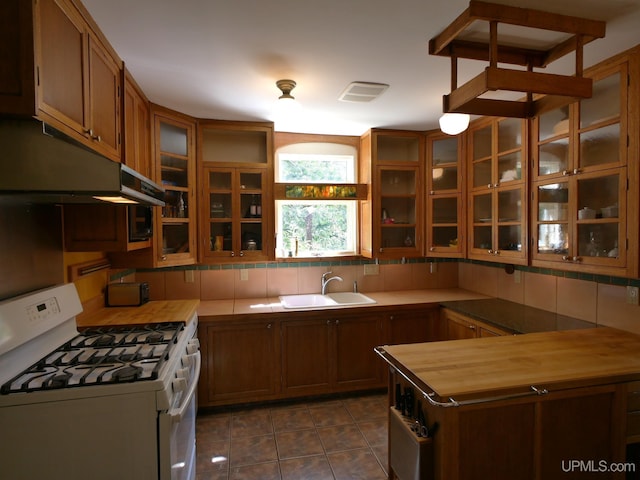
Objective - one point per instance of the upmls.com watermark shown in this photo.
(600, 466)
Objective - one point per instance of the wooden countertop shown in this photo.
(158, 311)
(243, 306)
(485, 367)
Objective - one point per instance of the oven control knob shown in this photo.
(187, 361)
(192, 348)
(179, 385)
(182, 373)
(194, 341)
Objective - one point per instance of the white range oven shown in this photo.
(103, 403)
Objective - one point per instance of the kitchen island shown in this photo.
(536, 406)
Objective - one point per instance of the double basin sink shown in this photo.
(330, 300)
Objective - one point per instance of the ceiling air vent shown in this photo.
(362, 92)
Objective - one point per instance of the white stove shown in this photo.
(118, 402)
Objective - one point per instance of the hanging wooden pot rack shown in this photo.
(466, 98)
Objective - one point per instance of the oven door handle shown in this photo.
(177, 413)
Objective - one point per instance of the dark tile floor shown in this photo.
(341, 439)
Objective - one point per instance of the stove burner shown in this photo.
(105, 340)
(58, 381)
(127, 374)
(155, 337)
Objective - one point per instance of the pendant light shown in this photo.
(454, 123)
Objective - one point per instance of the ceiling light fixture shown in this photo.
(454, 123)
(285, 87)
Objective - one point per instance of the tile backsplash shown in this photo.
(598, 300)
(271, 280)
(591, 300)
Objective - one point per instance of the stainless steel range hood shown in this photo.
(45, 166)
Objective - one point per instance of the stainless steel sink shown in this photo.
(330, 300)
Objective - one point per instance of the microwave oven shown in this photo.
(140, 220)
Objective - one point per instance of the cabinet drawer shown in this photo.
(633, 396)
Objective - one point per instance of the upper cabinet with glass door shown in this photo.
(235, 169)
(175, 167)
(580, 175)
(445, 224)
(392, 219)
(497, 198)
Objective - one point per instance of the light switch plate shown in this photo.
(189, 276)
(632, 295)
(244, 274)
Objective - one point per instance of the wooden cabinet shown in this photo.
(445, 196)
(174, 166)
(106, 228)
(276, 356)
(69, 75)
(236, 194)
(414, 325)
(497, 191)
(460, 326)
(584, 189)
(392, 218)
(137, 128)
(240, 361)
(329, 353)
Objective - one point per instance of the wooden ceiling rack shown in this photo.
(465, 99)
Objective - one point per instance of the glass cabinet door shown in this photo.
(599, 124)
(235, 212)
(497, 189)
(444, 199)
(176, 164)
(398, 215)
(482, 159)
(483, 221)
(552, 219)
(598, 221)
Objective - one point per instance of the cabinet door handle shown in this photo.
(566, 173)
(233, 254)
(268, 326)
(490, 252)
(337, 322)
(328, 322)
(496, 252)
(241, 253)
(496, 185)
(577, 171)
(472, 327)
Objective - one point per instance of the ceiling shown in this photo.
(221, 59)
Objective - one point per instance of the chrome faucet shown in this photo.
(326, 280)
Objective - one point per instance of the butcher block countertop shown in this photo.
(482, 368)
(155, 311)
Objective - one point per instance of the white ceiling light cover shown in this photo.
(362, 92)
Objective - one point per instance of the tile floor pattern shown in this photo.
(330, 439)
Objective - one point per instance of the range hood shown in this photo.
(43, 165)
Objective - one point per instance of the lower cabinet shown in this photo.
(331, 353)
(240, 362)
(415, 326)
(253, 358)
(460, 327)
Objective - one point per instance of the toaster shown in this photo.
(129, 294)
